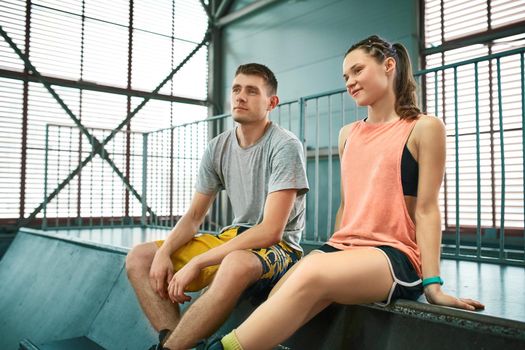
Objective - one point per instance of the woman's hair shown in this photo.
(404, 85)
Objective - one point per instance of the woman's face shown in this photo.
(367, 80)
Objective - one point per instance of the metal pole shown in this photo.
(456, 138)
(522, 74)
(316, 202)
(478, 164)
(502, 152)
(330, 182)
(144, 179)
(46, 169)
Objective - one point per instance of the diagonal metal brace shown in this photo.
(97, 146)
(113, 133)
(207, 10)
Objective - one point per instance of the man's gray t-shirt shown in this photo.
(275, 162)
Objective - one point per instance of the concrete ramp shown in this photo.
(53, 288)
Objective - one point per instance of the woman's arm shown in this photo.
(343, 135)
(431, 145)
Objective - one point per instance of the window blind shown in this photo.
(89, 40)
(461, 20)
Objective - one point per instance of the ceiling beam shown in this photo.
(86, 85)
(246, 11)
(223, 7)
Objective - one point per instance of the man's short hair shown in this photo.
(261, 71)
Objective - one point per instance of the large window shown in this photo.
(455, 31)
(102, 58)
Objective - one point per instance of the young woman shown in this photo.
(387, 236)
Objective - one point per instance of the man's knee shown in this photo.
(239, 268)
(140, 257)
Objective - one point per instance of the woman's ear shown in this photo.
(390, 65)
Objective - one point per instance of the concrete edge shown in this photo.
(26, 344)
(420, 310)
(456, 317)
(77, 241)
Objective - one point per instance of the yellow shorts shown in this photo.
(275, 260)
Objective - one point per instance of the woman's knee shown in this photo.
(291, 271)
(307, 276)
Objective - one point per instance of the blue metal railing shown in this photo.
(168, 160)
(489, 239)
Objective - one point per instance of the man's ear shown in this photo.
(274, 101)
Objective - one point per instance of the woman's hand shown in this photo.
(436, 296)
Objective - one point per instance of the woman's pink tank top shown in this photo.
(375, 212)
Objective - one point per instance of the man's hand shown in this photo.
(181, 280)
(435, 295)
(160, 273)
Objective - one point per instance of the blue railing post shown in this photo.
(522, 74)
(143, 219)
(46, 164)
(456, 138)
(478, 165)
(502, 152)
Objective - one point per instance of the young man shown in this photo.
(261, 166)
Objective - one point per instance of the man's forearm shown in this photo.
(183, 231)
(259, 236)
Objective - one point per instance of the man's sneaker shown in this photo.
(162, 336)
(214, 344)
(201, 345)
(157, 347)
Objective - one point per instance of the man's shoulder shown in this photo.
(221, 139)
(281, 136)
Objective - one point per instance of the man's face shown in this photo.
(250, 99)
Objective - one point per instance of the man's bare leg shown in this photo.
(162, 313)
(238, 270)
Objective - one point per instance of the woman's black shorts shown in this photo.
(407, 284)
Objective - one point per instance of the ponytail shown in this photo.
(405, 85)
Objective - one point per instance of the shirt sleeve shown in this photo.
(288, 170)
(208, 180)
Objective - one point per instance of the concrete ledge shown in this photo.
(58, 290)
(80, 343)
(405, 325)
(468, 320)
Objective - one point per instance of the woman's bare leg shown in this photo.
(348, 277)
(289, 273)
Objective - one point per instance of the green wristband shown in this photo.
(432, 280)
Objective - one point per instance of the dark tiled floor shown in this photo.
(500, 288)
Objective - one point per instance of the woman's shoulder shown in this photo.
(428, 124)
(347, 128)
(428, 120)
(343, 135)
